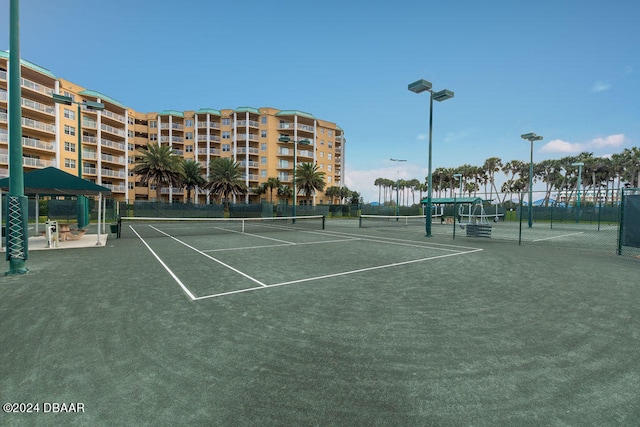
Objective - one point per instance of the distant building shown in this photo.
(111, 138)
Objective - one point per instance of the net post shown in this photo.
(360, 221)
(324, 218)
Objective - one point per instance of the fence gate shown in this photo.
(630, 219)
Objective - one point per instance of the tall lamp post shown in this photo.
(531, 137)
(420, 86)
(89, 105)
(287, 139)
(580, 165)
(398, 185)
(459, 177)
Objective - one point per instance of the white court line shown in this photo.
(327, 276)
(210, 257)
(184, 288)
(558, 237)
(255, 235)
(279, 246)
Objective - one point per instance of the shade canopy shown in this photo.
(55, 182)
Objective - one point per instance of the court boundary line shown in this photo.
(387, 240)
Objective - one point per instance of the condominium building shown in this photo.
(109, 140)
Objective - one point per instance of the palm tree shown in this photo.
(159, 166)
(225, 179)
(284, 192)
(272, 184)
(333, 192)
(309, 179)
(491, 166)
(192, 177)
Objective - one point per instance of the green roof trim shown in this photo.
(295, 113)
(209, 111)
(339, 128)
(247, 109)
(171, 113)
(5, 54)
(103, 97)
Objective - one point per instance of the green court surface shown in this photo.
(342, 326)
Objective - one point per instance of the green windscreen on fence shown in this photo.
(630, 225)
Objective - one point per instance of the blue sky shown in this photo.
(566, 70)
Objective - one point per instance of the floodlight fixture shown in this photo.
(443, 95)
(420, 86)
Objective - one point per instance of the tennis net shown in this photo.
(391, 220)
(165, 227)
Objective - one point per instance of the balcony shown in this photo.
(244, 123)
(36, 106)
(34, 124)
(176, 139)
(3, 75)
(250, 163)
(116, 188)
(36, 163)
(203, 151)
(89, 155)
(112, 144)
(203, 138)
(36, 143)
(243, 137)
(89, 124)
(117, 117)
(36, 87)
(252, 176)
(243, 150)
(120, 160)
(89, 170)
(89, 139)
(113, 174)
(175, 126)
(113, 130)
(214, 125)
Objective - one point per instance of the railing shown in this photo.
(285, 126)
(38, 163)
(113, 130)
(251, 163)
(211, 125)
(243, 150)
(243, 137)
(176, 126)
(36, 143)
(91, 124)
(36, 86)
(306, 128)
(89, 139)
(112, 173)
(176, 139)
(165, 190)
(252, 176)
(114, 116)
(38, 125)
(116, 188)
(211, 138)
(113, 159)
(89, 170)
(3, 95)
(211, 151)
(89, 155)
(3, 117)
(252, 123)
(3, 75)
(37, 106)
(112, 144)
(305, 153)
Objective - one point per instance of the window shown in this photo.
(263, 173)
(322, 131)
(153, 124)
(188, 135)
(226, 134)
(328, 179)
(69, 130)
(70, 95)
(226, 147)
(263, 160)
(330, 144)
(329, 156)
(69, 114)
(130, 185)
(329, 168)
(263, 120)
(70, 147)
(322, 154)
(188, 123)
(263, 147)
(263, 133)
(69, 163)
(321, 165)
(188, 148)
(226, 121)
(322, 142)
(130, 133)
(330, 132)
(131, 147)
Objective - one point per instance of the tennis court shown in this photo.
(353, 326)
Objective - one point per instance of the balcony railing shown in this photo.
(89, 139)
(243, 137)
(243, 150)
(89, 124)
(251, 123)
(211, 125)
(36, 163)
(112, 144)
(112, 173)
(113, 130)
(3, 75)
(113, 159)
(36, 106)
(89, 155)
(116, 188)
(203, 151)
(38, 125)
(176, 139)
(251, 164)
(89, 170)
(202, 138)
(305, 128)
(36, 87)
(36, 143)
(176, 126)
(113, 116)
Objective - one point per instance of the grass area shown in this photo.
(509, 335)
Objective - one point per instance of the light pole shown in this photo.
(531, 137)
(580, 165)
(17, 202)
(459, 176)
(398, 184)
(89, 105)
(419, 87)
(286, 139)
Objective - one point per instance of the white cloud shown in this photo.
(600, 86)
(560, 146)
